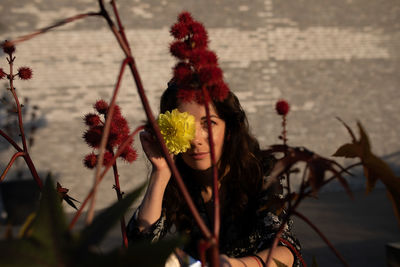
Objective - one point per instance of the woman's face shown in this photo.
(198, 157)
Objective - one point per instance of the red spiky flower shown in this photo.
(92, 119)
(90, 160)
(8, 47)
(25, 73)
(282, 107)
(101, 106)
(119, 133)
(2, 74)
(197, 66)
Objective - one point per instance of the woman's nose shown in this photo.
(200, 136)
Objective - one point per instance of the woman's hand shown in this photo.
(153, 153)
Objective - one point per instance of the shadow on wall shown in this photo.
(19, 193)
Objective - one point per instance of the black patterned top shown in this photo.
(235, 240)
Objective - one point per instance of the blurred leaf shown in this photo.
(374, 167)
(279, 264)
(348, 151)
(364, 140)
(106, 220)
(44, 244)
(22, 253)
(26, 228)
(317, 166)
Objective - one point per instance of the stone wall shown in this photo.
(327, 58)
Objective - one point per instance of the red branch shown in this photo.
(119, 197)
(104, 138)
(125, 47)
(215, 195)
(9, 139)
(12, 160)
(45, 29)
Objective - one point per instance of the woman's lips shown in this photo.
(198, 156)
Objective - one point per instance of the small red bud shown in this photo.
(90, 161)
(25, 73)
(282, 107)
(101, 106)
(8, 47)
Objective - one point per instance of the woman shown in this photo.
(247, 227)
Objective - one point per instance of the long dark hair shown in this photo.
(240, 169)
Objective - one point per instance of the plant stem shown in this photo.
(104, 138)
(9, 139)
(46, 29)
(217, 219)
(119, 197)
(12, 160)
(125, 47)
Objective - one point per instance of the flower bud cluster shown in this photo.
(119, 132)
(24, 73)
(197, 66)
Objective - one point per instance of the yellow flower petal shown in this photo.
(177, 129)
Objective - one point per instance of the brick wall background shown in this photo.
(327, 58)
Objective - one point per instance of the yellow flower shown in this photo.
(178, 129)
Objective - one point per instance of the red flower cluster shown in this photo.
(282, 107)
(197, 67)
(25, 73)
(119, 132)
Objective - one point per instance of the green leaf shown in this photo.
(106, 220)
(279, 264)
(348, 151)
(49, 228)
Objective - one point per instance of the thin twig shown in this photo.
(104, 138)
(119, 196)
(12, 160)
(9, 139)
(46, 29)
(215, 195)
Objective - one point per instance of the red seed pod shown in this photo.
(129, 154)
(182, 73)
(210, 74)
(8, 47)
(25, 73)
(90, 160)
(93, 136)
(179, 30)
(92, 119)
(282, 107)
(185, 17)
(108, 156)
(101, 106)
(179, 49)
(219, 91)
